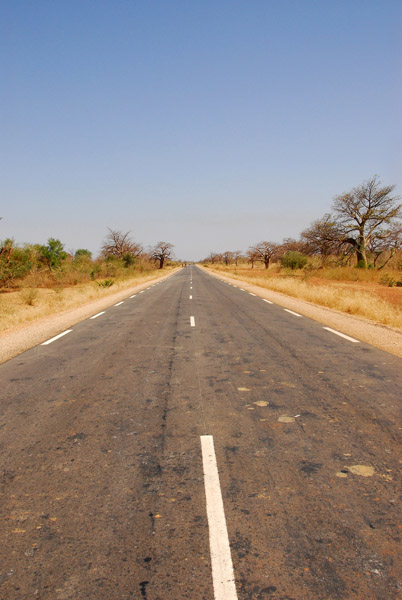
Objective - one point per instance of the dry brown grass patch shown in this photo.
(363, 297)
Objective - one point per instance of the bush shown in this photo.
(387, 280)
(105, 284)
(294, 260)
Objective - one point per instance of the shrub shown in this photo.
(387, 280)
(294, 260)
(29, 296)
(105, 284)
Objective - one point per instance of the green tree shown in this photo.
(82, 253)
(53, 253)
(294, 260)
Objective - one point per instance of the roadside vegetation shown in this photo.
(40, 280)
(349, 260)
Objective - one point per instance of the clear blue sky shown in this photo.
(211, 124)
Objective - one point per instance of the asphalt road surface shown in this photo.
(112, 437)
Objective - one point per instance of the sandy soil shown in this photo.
(17, 340)
(380, 336)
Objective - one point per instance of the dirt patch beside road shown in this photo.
(380, 336)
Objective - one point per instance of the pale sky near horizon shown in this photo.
(212, 125)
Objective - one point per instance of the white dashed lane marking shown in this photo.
(118, 304)
(98, 315)
(56, 337)
(347, 337)
(192, 321)
(133, 296)
(221, 559)
(251, 294)
(292, 313)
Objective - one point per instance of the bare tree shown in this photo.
(120, 244)
(265, 251)
(161, 252)
(227, 258)
(386, 243)
(213, 258)
(323, 237)
(362, 212)
(237, 254)
(252, 256)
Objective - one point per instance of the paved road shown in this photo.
(103, 433)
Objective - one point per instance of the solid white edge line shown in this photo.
(269, 301)
(192, 321)
(98, 315)
(343, 335)
(118, 304)
(56, 337)
(221, 560)
(292, 313)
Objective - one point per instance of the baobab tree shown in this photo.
(119, 244)
(323, 237)
(252, 256)
(364, 212)
(161, 252)
(265, 251)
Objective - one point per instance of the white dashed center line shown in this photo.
(269, 301)
(118, 304)
(192, 321)
(292, 313)
(98, 315)
(56, 337)
(221, 560)
(347, 337)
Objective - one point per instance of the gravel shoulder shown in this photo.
(379, 336)
(17, 340)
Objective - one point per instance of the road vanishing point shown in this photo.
(197, 442)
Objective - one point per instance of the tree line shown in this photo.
(363, 227)
(119, 253)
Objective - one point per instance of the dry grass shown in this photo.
(29, 304)
(329, 290)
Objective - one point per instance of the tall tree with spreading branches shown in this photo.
(366, 212)
(162, 251)
(119, 245)
(322, 238)
(265, 251)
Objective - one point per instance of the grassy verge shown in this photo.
(344, 292)
(28, 304)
